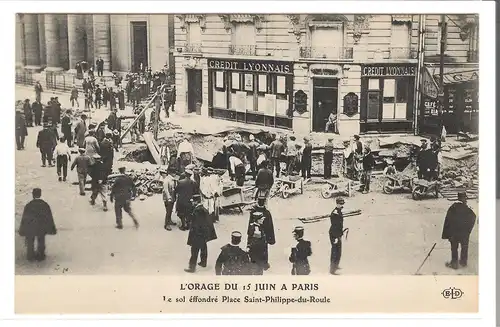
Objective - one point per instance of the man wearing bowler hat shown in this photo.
(46, 142)
(121, 194)
(232, 259)
(300, 253)
(336, 231)
(184, 191)
(458, 225)
(201, 231)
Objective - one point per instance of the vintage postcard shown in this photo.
(248, 162)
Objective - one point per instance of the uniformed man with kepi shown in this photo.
(232, 259)
(267, 225)
(336, 231)
(300, 253)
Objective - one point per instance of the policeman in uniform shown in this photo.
(232, 259)
(336, 231)
(300, 252)
(267, 225)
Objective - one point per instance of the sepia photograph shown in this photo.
(280, 149)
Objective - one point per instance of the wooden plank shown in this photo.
(153, 147)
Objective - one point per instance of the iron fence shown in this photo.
(24, 77)
(59, 81)
(248, 50)
(326, 52)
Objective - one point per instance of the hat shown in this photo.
(163, 171)
(356, 137)
(262, 147)
(340, 201)
(292, 138)
(196, 196)
(462, 195)
(96, 156)
(423, 140)
(46, 125)
(108, 134)
(330, 139)
(190, 167)
(298, 229)
(257, 214)
(188, 172)
(261, 196)
(389, 161)
(82, 150)
(236, 234)
(115, 132)
(306, 138)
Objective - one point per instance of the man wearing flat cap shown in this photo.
(232, 259)
(458, 225)
(266, 227)
(121, 194)
(306, 159)
(98, 174)
(201, 231)
(300, 253)
(336, 231)
(82, 164)
(106, 150)
(184, 192)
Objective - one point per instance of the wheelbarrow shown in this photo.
(291, 185)
(397, 182)
(422, 188)
(342, 187)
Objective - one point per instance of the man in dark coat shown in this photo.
(306, 159)
(425, 160)
(21, 130)
(105, 96)
(46, 142)
(97, 173)
(38, 91)
(37, 111)
(336, 231)
(82, 164)
(300, 253)
(201, 232)
(98, 97)
(257, 244)
(264, 181)
(28, 113)
(184, 192)
(112, 120)
(112, 99)
(37, 221)
(121, 98)
(252, 156)
(99, 65)
(107, 153)
(121, 194)
(368, 165)
(66, 125)
(48, 111)
(232, 259)
(267, 227)
(328, 159)
(458, 225)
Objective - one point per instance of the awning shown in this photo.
(455, 75)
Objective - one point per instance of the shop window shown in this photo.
(400, 40)
(219, 98)
(373, 84)
(395, 100)
(243, 39)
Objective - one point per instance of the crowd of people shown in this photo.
(97, 144)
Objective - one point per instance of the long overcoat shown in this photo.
(37, 219)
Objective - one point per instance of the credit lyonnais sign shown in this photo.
(261, 66)
(388, 71)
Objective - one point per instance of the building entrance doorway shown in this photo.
(325, 97)
(139, 45)
(194, 94)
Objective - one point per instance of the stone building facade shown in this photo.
(292, 71)
(57, 42)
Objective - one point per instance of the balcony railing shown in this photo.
(402, 53)
(246, 50)
(192, 48)
(326, 52)
(472, 56)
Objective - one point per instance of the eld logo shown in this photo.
(452, 293)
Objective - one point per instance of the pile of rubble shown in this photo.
(462, 175)
(163, 126)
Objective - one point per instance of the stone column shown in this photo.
(76, 36)
(20, 55)
(41, 40)
(52, 42)
(102, 40)
(32, 41)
